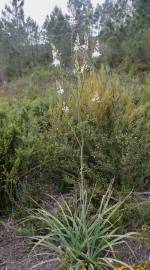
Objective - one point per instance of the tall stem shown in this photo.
(81, 159)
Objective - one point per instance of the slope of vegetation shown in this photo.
(40, 136)
(75, 117)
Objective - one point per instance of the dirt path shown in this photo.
(15, 254)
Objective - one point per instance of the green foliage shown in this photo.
(78, 238)
(82, 13)
(58, 32)
(135, 214)
(39, 138)
(120, 27)
(13, 36)
(124, 34)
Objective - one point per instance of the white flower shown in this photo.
(77, 43)
(74, 71)
(95, 54)
(60, 91)
(65, 109)
(85, 47)
(96, 98)
(56, 62)
(85, 67)
(82, 69)
(76, 48)
(54, 51)
(95, 32)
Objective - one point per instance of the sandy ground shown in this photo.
(16, 255)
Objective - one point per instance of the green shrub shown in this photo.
(135, 214)
(39, 140)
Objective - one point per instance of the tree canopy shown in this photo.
(121, 27)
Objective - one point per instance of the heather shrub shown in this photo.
(40, 137)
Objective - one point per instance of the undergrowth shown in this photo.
(38, 143)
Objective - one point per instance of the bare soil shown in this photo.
(16, 255)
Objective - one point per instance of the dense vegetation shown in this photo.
(44, 115)
(75, 116)
(41, 135)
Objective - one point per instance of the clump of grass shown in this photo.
(79, 238)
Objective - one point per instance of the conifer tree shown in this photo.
(82, 12)
(58, 33)
(13, 23)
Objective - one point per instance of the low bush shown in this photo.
(136, 214)
(40, 137)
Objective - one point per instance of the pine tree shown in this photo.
(33, 40)
(111, 21)
(13, 23)
(58, 33)
(137, 46)
(82, 12)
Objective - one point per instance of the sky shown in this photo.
(38, 9)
